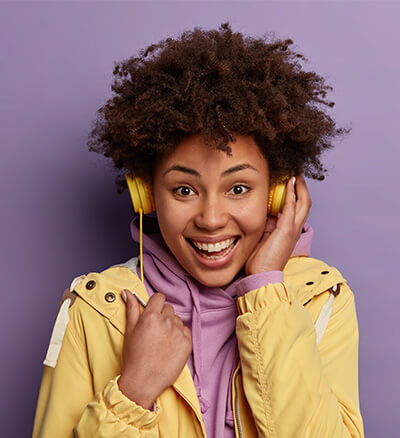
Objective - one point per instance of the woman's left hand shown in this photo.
(281, 234)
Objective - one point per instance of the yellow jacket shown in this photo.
(297, 376)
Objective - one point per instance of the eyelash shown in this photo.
(175, 190)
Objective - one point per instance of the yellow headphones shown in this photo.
(143, 202)
(142, 197)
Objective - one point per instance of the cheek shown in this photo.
(252, 219)
(171, 222)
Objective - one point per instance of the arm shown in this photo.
(67, 405)
(295, 387)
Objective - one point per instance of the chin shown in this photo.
(222, 281)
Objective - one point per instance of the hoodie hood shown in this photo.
(210, 313)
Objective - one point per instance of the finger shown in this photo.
(302, 192)
(155, 303)
(132, 310)
(178, 321)
(168, 311)
(286, 219)
(304, 202)
(187, 333)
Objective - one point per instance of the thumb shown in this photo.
(132, 309)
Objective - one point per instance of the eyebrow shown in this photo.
(229, 171)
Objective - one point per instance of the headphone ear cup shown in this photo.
(145, 196)
(149, 190)
(270, 199)
(141, 194)
(276, 199)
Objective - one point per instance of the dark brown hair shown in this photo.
(216, 83)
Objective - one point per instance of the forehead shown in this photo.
(193, 152)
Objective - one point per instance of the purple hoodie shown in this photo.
(210, 313)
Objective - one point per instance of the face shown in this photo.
(203, 196)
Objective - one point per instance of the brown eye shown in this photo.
(185, 190)
(238, 189)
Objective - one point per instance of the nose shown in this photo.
(212, 214)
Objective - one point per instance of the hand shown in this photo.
(156, 348)
(281, 234)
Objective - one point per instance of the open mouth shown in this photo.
(214, 255)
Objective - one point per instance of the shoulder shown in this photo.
(308, 277)
(99, 287)
(87, 306)
(92, 280)
(98, 294)
(323, 290)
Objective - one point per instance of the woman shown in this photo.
(247, 334)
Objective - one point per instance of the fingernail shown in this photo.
(123, 294)
(294, 180)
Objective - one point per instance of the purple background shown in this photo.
(61, 215)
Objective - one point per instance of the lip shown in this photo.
(216, 239)
(215, 263)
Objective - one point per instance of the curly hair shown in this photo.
(216, 83)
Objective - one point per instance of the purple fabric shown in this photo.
(210, 313)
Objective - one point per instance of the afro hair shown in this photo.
(216, 83)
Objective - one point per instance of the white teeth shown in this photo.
(220, 255)
(214, 247)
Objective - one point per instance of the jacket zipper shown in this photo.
(237, 409)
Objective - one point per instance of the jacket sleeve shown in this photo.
(68, 407)
(296, 388)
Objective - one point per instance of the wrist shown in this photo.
(133, 391)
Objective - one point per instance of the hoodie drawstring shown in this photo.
(196, 339)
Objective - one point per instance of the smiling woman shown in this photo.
(218, 199)
(232, 334)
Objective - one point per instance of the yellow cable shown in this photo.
(141, 245)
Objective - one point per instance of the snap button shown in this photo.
(309, 283)
(90, 284)
(335, 290)
(324, 272)
(109, 297)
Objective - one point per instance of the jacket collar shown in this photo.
(306, 276)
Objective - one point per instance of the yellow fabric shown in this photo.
(287, 385)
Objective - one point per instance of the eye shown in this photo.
(185, 190)
(240, 192)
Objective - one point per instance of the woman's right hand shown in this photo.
(156, 348)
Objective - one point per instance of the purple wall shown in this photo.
(61, 215)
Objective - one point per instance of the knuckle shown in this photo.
(285, 229)
(169, 308)
(187, 332)
(157, 296)
(168, 323)
(151, 318)
(178, 319)
(160, 295)
(188, 346)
